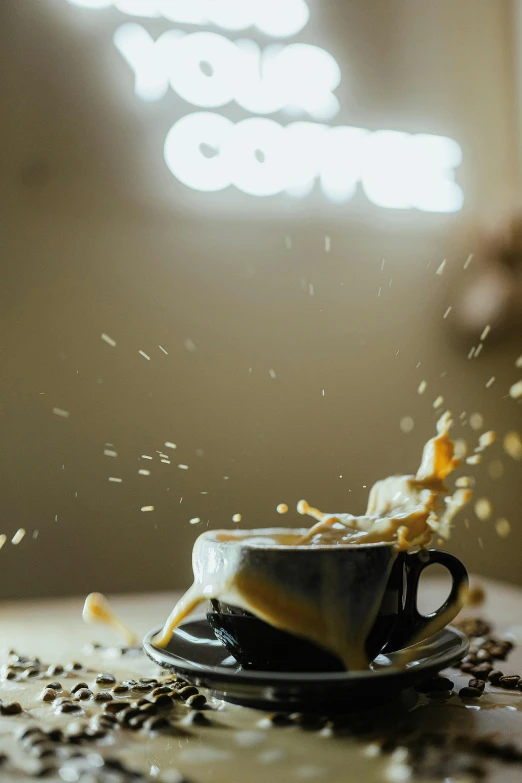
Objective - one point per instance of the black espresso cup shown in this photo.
(365, 581)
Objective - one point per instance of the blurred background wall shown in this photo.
(285, 374)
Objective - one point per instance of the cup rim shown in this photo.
(211, 535)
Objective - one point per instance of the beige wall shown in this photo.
(97, 237)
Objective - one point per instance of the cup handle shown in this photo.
(412, 626)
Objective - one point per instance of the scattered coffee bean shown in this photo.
(4, 758)
(470, 693)
(48, 694)
(9, 673)
(137, 721)
(55, 735)
(30, 731)
(163, 701)
(140, 702)
(83, 694)
(474, 683)
(148, 681)
(115, 706)
(509, 681)
(43, 770)
(495, 676)
(34, 740)
(95, 733)
(62, 700)
(56, 686)
(102, 696)
(156, 724)
(467, 667)
(105, 679)
(188, 690)
(124, 716)
(117, 689)
(42, 751)
(149, 709)
(79, 686)
(196, 702)
(11, 708)
(74, 666)
(482, 670)
(52, 671)
(69, 706)
(196, 718)
(143, 687)
(161, 689)
(75, 731)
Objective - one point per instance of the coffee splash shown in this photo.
(405, 511)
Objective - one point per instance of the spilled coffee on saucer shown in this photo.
(245, 568)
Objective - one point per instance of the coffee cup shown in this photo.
(363, 594)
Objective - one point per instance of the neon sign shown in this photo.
(208, 152)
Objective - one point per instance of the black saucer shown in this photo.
(196, 655)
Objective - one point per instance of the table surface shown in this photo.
(241, 745)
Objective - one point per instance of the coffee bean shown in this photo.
(52, 671)
(125, 715)
(79, 686)
(11, 708)
(43, 770)
(470, 693)
(104, 722)
(174, 695)
(115, 706)
(117, 689)
(31, 672)
(161, 689)
(105, 679)
(156, 724)
(30, 731)
(4, 758)
(74, 666)
(137, 721)
(34, 740)
(102, 696)
(482, 670)
(307, 720)
(75, 731)
(69, 706)
(83, 694)
(62, 700)
(149, 709)
(48, 694)
(196, 702)
(55, 735)
(467, 667)
(148, 681)
(196, 718)
(474, 683)
(509, 681)
(494, 676)
(130, 683)
(56, 686)
(499, 653)
(95, 733)
(140, 702)
(42, 751)
(143, 687)
(163, 701)
(8, 673)
(188, 690)
(484, 655)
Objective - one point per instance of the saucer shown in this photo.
(196, 655)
